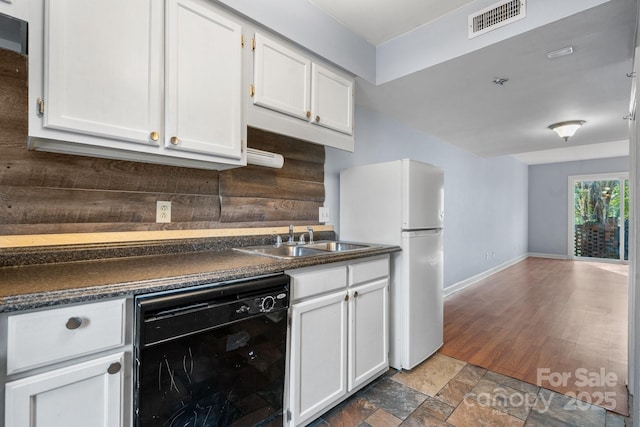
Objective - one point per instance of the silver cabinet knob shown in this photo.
(74, 323)
(114, 368)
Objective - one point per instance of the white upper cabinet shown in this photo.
(140, 80)
(203, 80)
(282, 78)
(168, 82)
(99, 85)
(331, 99)
(289, 82)
(315, 100)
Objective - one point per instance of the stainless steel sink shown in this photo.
(287, 251)
(282, 251)
(337, 246)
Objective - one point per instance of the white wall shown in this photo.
(548, 200)
(485, 198)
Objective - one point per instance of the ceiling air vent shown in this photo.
(496, 16)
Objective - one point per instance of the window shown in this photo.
(599, 216)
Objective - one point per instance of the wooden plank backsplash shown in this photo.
(42, 193)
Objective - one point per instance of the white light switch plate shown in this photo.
(163, 211)
(323, 214)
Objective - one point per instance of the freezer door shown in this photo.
(420, 299)
(423, 195)
(370, 203)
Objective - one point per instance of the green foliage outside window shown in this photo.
(598, 202)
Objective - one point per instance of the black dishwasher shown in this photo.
(214, 356)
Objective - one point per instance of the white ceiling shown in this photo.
(378, 21)
(457, 102)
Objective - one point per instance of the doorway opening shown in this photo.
(599, 217)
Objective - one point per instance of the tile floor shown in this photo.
(444, 391)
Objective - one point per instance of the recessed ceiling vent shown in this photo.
(496, 16)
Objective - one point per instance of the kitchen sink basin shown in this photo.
(287, 251)
(282, 251)
(337, 246)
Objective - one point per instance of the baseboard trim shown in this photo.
(481, 276)
(551, 256)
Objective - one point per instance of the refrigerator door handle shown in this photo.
(421, 232)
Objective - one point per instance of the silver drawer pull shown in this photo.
(74, 323)
(114, 368)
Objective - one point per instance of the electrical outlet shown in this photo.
(163, 211)
(323, 214)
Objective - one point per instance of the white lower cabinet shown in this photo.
(82, 395)
(44, 337)
(368, 331)
(67, 366)
(339, 337)
(318, 354)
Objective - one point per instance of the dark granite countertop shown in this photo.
(55, 282)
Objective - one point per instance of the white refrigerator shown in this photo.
(402, 203)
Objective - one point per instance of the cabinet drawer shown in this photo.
(317, 281)
(43, 337)
(368, 270)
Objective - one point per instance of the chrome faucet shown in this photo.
(310, 230)
(291, 240)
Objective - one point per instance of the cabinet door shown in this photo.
(368, 331)
(203, 80)
(82, 395)
(282, 78)
(318, 355)
(332, 100)
(103, 68)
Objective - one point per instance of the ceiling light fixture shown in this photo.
(560, 52)
(500, 80)
(566, 129)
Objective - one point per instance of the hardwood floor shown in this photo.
(561, 325)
